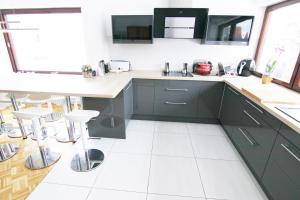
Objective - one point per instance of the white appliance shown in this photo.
(119, 66)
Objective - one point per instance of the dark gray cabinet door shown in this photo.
(209, 99)
(128, 102)
(230, 114)
(111, 121)
(254, 140)
(143, 101)
(282, 175)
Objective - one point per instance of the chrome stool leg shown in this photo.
(72, 136)
(90, 159)
(45, 156)
(23, 132)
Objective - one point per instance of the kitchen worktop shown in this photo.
(110, 85)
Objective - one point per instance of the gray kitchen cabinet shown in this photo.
(111, 121)
(128, 102)
(254, 139)
(176, 98)
(143, 100)
(282, 175)
(209, 101)
(230, 113)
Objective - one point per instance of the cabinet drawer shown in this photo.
(255, 144)
(290, 134)
(257, 110)
(176, 93)
(176, 107)
(282, 174)
(143, 82)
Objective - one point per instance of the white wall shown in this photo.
(97, 23)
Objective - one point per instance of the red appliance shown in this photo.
(203, 68)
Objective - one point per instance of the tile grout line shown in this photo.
(195, 159)
(150, 160)
(94, 183)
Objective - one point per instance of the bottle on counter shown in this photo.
(100, 69)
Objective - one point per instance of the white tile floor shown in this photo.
(157, 161)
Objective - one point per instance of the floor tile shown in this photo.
(205, 129)
(175, 176)
(136, 142)
(48, 191)
(98, 194)
(227, 180)
(125, 172)
(167, 197)
(213, 147)
(171, 127)
(62, 172)
(172, 145)
(141, 125)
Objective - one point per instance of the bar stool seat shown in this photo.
(44, 157)
(90, 158)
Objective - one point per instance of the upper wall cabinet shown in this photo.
(180, 22)
(132, 28)
(230, 30)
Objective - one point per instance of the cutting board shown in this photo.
(265, 94)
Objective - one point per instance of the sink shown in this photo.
(293, 112)
(177, 74)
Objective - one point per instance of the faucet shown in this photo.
(167, 68)
(184, 71)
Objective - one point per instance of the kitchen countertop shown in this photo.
(110, 85)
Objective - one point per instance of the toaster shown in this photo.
(119, 66)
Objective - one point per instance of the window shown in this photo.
(55, 43)
(279, 43)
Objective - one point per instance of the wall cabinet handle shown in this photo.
(251, 117)
(247, 137)
(175, 103)
(177, 89)
(251, 104)
(233, 91)
(287, 149)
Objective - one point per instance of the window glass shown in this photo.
(57, 45)
(281, 43)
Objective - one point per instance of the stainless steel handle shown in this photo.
(290, 152)
(247, 137)
(128, 86)
(252, 117)
(171, 89)
(233, 91)
(175, 103)
(251, 104)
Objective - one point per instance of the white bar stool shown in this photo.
(37, 100)
(91, 158)
(44, 157)
(7, 150)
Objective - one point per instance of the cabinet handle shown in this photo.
(251, 104)
(128, 86)
(233, 91)
(247, 137)
(252, 118)
(175, 103)
(170, 89)
(290, 152)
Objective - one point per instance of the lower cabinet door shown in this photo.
(255, 145)
(282, 175)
